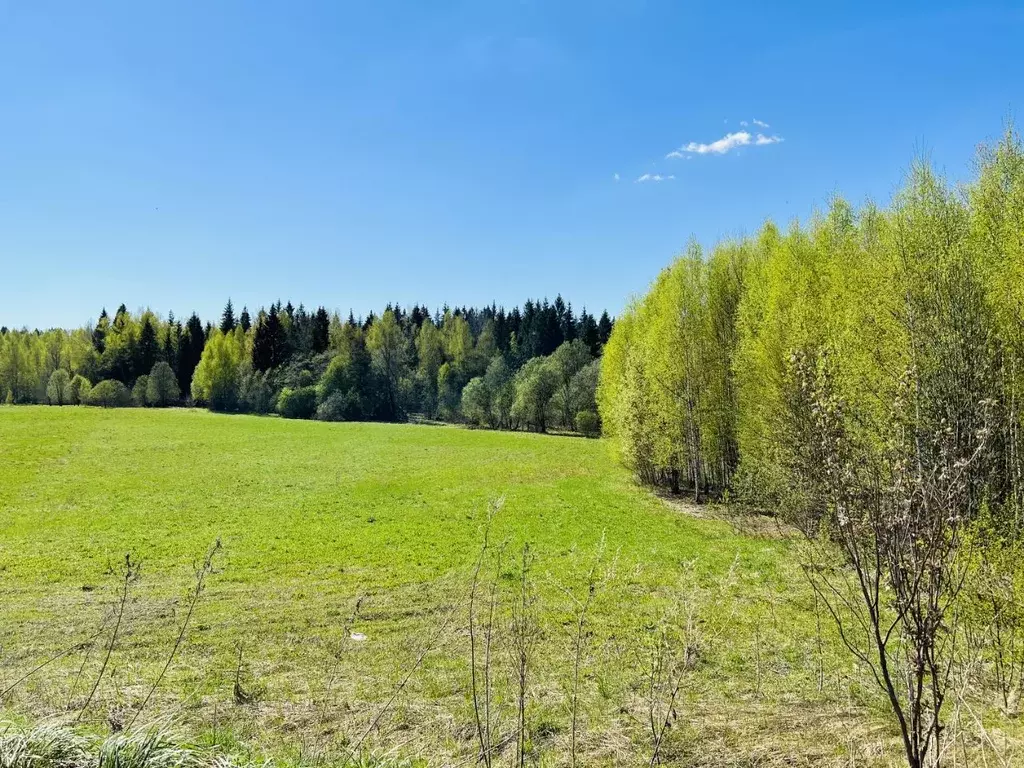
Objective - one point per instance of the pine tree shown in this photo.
(244, 320)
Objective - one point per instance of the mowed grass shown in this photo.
(314, 516)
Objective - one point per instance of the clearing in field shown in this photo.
(374, 532)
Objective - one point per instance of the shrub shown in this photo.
(588, 424)
(58, 389)
(80, 388)
(297, 403)
(110, 393)
(476, 402)
(256, 395)
(340, 406)
(139, 391)
(162, 389)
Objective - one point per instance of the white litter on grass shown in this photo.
(358, 636)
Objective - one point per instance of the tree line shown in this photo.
(533, 367)
(861, 376)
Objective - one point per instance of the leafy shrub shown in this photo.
(162, 389)
(110, 393)
(58, 389)
(340, 406)
(256, 395)
(588, 424)
(297, 403)
(139, 391)
(80, 388)
(476, 402)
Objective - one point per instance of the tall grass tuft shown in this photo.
(44, 746)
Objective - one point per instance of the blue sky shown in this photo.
(170, 154)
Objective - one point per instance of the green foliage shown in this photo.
(341, 405)
(535, 384)
(297, 403)
(385, 367)
(110, 393)
(162, 387)
(500, 383)
(80, 388)
(217, 379)
(430, 358)
(588, 423)
(345, 381)
(58, 388)
(476, 402)
(139, 391)
(255, 392)
(698, 379)
(449, 391)
(566, 362)
(388, 348)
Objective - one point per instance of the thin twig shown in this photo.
(201, 573)
(131, 573)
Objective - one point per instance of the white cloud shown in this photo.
(743, 123)
(654, 177)
(723, 145)
(761, 124)
(615, 176)
(728, 142)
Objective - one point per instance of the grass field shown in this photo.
(314, 516)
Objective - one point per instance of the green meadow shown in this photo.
(315, 519)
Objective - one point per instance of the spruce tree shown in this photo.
(569, 329)
(244, 320)
(416, 317)
(604, 328)
(167, 345)
(299, 333)
(148, 350)
(190, 351)
(270, 345)
(589, 333)
(321, 331)
(550, 330)
(99, 333)
(227, 319)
